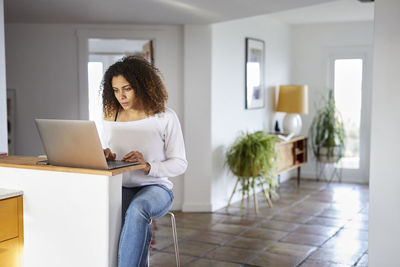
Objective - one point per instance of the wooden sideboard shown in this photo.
(11, 232)
(292, 154)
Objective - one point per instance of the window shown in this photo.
(96, 67)
(348, 77)
(95, 74)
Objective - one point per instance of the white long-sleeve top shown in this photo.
(159, 138)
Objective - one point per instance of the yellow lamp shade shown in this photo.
(293, 99)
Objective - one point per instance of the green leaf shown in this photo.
(253, 155)
(327, 128)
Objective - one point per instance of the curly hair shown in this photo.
(143, 77)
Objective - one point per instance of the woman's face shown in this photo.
(123, 91)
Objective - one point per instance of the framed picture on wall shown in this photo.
(254, 73)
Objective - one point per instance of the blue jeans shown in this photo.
(139, 206)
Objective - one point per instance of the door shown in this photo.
(349, 74)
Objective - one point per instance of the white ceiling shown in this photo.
(337, 11)
(156, 11)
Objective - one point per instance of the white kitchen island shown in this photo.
(72, 216)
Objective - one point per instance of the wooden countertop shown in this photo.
(25, 162)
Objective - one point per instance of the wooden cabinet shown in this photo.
(11, 232)
(292, 154)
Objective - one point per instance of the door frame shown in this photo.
(360, 175)
(157, 36)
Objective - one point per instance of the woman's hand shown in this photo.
(108, 154)
(137, 156)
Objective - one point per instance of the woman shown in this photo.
(138, 127)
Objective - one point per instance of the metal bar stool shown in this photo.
(175, 237)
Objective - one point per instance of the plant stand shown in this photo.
(250, 182)
(328, 171)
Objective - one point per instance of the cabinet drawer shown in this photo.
(8, 218)
(9, 253)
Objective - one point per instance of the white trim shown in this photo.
(197, 207)
(83, 58)
(3, 86)
(310, 175)
(176, 206)
(158, 36)
(217, 204)
(363, 52)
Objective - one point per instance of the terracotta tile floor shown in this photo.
(317, 224)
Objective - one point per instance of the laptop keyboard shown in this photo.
(113, 164)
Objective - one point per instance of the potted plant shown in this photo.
(327, 132)
(252, 157)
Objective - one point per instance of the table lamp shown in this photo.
(293, 99)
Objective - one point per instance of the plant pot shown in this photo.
(329, 154)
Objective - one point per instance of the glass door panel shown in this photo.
(348, 77)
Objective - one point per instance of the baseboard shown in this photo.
(224, 202)
(284, 178)
(310, 175)
(221, 203)
(196, 207)
(176, 206)
(216, 205)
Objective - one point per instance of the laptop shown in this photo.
(75, 143)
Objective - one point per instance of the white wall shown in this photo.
(384, 219)
(197, 110)
(214, 100)
(229, 117)
(312, 44)
(205, 84)
(3, 91)
(42, 68)
(42, 65)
